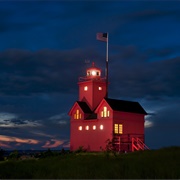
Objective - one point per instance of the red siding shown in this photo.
(133, 126)
(132, 123)
(90, 139)
(93, 96)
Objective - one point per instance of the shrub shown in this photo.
(14, 155)
(2, 152)
(80, 149)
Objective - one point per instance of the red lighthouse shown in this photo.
(96, 118)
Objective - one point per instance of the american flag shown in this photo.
(101, 37)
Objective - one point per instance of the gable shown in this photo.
(85, 108)
(81, 105)
(102, 104)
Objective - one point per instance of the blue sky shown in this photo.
(43, 49)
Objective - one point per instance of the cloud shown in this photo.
(18, 140)
(60, 119)
(53, 143)
(148, 124)
(4, 145)
(136, 76)
(46, 69)
(42, 134)
(10, 120)
(7, 116)
(26, 73)
(66, 144)
(148, 14)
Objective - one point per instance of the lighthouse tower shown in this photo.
(92, 88)
(95, 118)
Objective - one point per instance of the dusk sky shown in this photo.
(45, 47)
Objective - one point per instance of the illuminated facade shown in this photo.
(96, 118)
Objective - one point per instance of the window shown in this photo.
(85, 88)
(100, 88)
(108, 113)
(80, 128)
(118, 128)
(105, 112)
(101, 127)
(94, 127)
(77, 115)
(87, 127)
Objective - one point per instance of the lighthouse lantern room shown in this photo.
(95, 118)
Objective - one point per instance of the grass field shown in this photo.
(153, 164)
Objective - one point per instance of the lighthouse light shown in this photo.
(93, 73)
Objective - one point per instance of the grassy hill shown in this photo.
(153, 164)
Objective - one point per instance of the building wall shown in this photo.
(92, 140)
(133, 126)
(132, 123)
(93, 96)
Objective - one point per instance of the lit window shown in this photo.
(85, 88)
(101, 127)
(100, 88)
(108, 113)
(94, 127)
(118, 128)
(87, 127)
(104, 112)
(77, 115)
(80, 128)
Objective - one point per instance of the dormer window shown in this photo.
(105, 112)
(77, 114)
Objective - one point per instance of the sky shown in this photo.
(47, 45)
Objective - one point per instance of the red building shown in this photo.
(96, 118)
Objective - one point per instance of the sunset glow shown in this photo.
(18, 140)
(53, 143)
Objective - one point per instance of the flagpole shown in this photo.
(107, 66)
